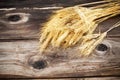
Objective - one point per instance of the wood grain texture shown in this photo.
(19, 54)
(20, 57)
(40, 3)
(99, 78)
(30, 29)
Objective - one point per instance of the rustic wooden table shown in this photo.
(20, 23)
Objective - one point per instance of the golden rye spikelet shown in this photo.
(70, 25)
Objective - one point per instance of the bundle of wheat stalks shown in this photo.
(76, 25)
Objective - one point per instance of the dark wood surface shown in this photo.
(19, 37)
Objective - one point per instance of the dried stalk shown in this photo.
(68, 26)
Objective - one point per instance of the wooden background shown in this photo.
(20, 23)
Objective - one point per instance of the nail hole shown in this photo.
(102, 47)
(39, 64)
(14, 18)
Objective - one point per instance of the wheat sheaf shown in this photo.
(76, 25)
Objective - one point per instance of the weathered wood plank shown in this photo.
(26, 23)
(108, 78)
(27, 27)
(40, 3)
(23, 59)
(97, 78)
